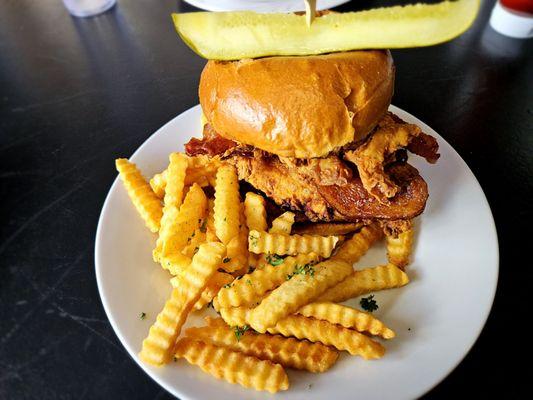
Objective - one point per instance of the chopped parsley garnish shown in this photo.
(306, 269)
(239, 331)
(248, 282)
(227, 286)
(274, 259)
(369, 304)
(226, 260)
(142, 315)
(203, 227)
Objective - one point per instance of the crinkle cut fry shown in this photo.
(289, 352)
(255, 212)
(158, 184)
(210, 234)
(296, 292)
(399, 248)
(281, 244)
(177, 170)
(157, 347)
(347, 317)
(141, 195)
(283, 224)
(235, 316)
(365, 281)
(232, 366)
(354, 248)
(200, 170)
(180, 224)
(237, 248)
(173, 198)
(227, 210)
(313, 330)
(251, 287)
(217, 281)
(174, 263)
(329, 334)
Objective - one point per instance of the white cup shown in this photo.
(511, 23)
(88, 8)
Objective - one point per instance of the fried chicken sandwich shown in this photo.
(314, 135)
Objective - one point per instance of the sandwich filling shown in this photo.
(365, 180)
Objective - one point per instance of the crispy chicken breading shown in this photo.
(391, 135)
(331, 202)
(379, 184)
(279, 182)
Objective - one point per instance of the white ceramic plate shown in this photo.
(261, 5)
(437, 317)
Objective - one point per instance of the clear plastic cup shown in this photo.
(88, 8)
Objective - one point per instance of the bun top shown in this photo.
(300, 107)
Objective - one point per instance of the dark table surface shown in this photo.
(76, 94)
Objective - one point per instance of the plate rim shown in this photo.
(206, 5)
(173, 390)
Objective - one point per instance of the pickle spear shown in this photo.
(236, 35)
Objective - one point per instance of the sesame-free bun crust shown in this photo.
(300, 107)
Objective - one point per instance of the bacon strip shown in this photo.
(211, 144)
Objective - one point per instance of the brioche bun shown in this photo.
(300, 107)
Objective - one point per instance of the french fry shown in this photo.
(217, 281)
(255, 212)
(348, 317)
(200, 170)
(366, 281)
(251, 287)
(157, 347)
(211, 235)
(202, 162)
(198, 177)
(314, 330)
(175, 263)
(353, 249)
(277, 243)
(289, 352)
(158, 183)
(326, 228)
(399, 248)
(235, 316)
(196, 239)
(256, 261)
(227, 204)
(329, 334)
(181, 224)
(176, 172)
(305, 285)
(283, 224)
(141, 195)
(173, 198)
(233, 366)
(237, 248)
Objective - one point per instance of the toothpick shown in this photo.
(310, 11)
